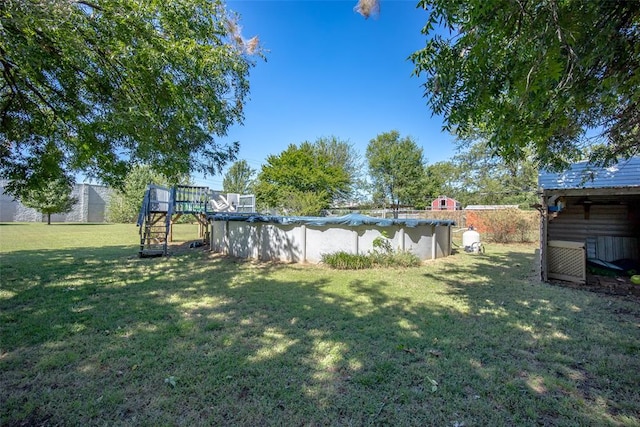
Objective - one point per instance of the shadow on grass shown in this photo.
(63, 224)
(197, 339)
(85, 224)
(569, 346)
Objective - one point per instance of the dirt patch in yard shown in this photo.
(177, 248)
(621, 286)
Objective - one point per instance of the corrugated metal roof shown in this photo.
(626, 173)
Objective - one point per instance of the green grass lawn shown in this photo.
(92, 335)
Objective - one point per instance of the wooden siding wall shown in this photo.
(612, 225)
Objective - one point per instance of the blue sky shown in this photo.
(328, 71)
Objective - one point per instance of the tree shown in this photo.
(114, 84)
(480, 178)
(558, 79)
(474, 176)
(307, 203)
(396, 167)
(300, 181)
(344, 156)
(239, 178)
(54, 197)
(441, 180)
(124, 204)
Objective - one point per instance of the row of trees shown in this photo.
(312, 177)
(308, 178)
(101, 86)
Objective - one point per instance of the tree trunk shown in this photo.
(48, 219)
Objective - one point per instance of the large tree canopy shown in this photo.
(112, 83)
(560, 77)
(301, 180)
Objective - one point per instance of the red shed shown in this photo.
(444, 203)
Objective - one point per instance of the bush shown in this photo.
(507, 225)
(346, 261)
(395, 259)
(382, 255)
(405, 259)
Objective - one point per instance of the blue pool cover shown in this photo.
(350, 219)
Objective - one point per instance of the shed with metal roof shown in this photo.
(589, 214)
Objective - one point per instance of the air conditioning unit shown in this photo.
(566, 261)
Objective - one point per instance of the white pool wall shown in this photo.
(307, 243)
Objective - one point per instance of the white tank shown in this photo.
(470, 238)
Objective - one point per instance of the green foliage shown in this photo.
(170, 381)
(113, 84)
(401, 259)
(342, 155)
(382, 255)
(536, 76)
(474, 176)
(441, 180)
(46, 164)
(54, 197)
(300, 181)
(49, 189)
(124, 204)
(382, 244)
(347, 261)
(306, 203)
(239, 178)
(396, 167)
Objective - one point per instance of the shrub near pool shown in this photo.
(347, 261)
